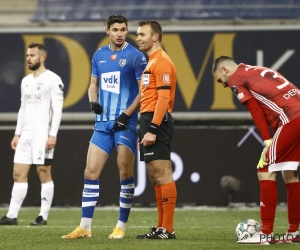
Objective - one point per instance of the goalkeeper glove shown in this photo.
(121, 122)
(96, 108)
(263, 160)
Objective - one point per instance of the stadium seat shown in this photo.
(88, 10)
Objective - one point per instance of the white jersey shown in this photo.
(41, 106)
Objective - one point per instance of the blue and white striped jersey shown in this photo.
(117, 73)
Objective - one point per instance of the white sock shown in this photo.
(86, 223)
(47, 193)
(18, 195)
(122, 225)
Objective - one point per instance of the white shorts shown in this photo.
(32, 152)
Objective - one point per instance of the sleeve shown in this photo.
(163, 72)
(259, 118)
(239, 87)
(57, 97)
(21, 114)
(20, 119)
(139, 65)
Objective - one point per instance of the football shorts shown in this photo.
(105, 138)
(161, 149)
(284, 151)
(33, 152)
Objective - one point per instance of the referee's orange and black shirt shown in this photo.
(158, 86)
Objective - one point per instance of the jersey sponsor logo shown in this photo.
(113, 57)
(166, 78)
(102, 61)
(240, 96)
(122, 62)
(144, 59)
(146, 79)
(33, 98)
(111, 81)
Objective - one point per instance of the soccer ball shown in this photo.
(246, 229)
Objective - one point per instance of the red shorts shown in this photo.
(284, 151)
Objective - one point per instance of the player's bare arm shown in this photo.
(93, 89)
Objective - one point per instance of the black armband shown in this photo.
(153, 128)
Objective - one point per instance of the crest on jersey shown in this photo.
(122, 62)
(113, 57)
(39, 86)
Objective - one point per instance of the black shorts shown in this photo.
(161, 149)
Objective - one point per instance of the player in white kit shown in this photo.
(35, 136)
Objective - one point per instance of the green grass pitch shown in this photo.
(205, 228)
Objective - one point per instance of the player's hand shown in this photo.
(14, 142)
(121, 122)
(263, 159)
(96, 108)
(149, 139)
(51, 142)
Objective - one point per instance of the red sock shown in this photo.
(293, 205)
(169, 197)
(268, 203)
(158, 195)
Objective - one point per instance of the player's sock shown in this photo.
(268, 203)
(126, 198)
(159, 207)
(293, 205)
(169, 197)
(90, 197)
(18, 195)
(47, 193)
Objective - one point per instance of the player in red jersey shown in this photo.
(272, 101)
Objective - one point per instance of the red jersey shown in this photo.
(279, 98)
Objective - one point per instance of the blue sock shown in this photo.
(126, 198)
(90, 196)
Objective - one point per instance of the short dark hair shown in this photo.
(115, 19)
(40, 46)
(155, 27)
(218, 61)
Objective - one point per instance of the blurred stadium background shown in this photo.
(216, 146)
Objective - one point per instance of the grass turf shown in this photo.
(209, 228)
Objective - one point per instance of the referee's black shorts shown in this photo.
(161, 149)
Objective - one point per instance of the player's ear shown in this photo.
(155, 37)
(43, 58)
(225, 69)
(107, 31)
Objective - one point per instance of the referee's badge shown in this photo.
(146, 79)
(166, 78)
